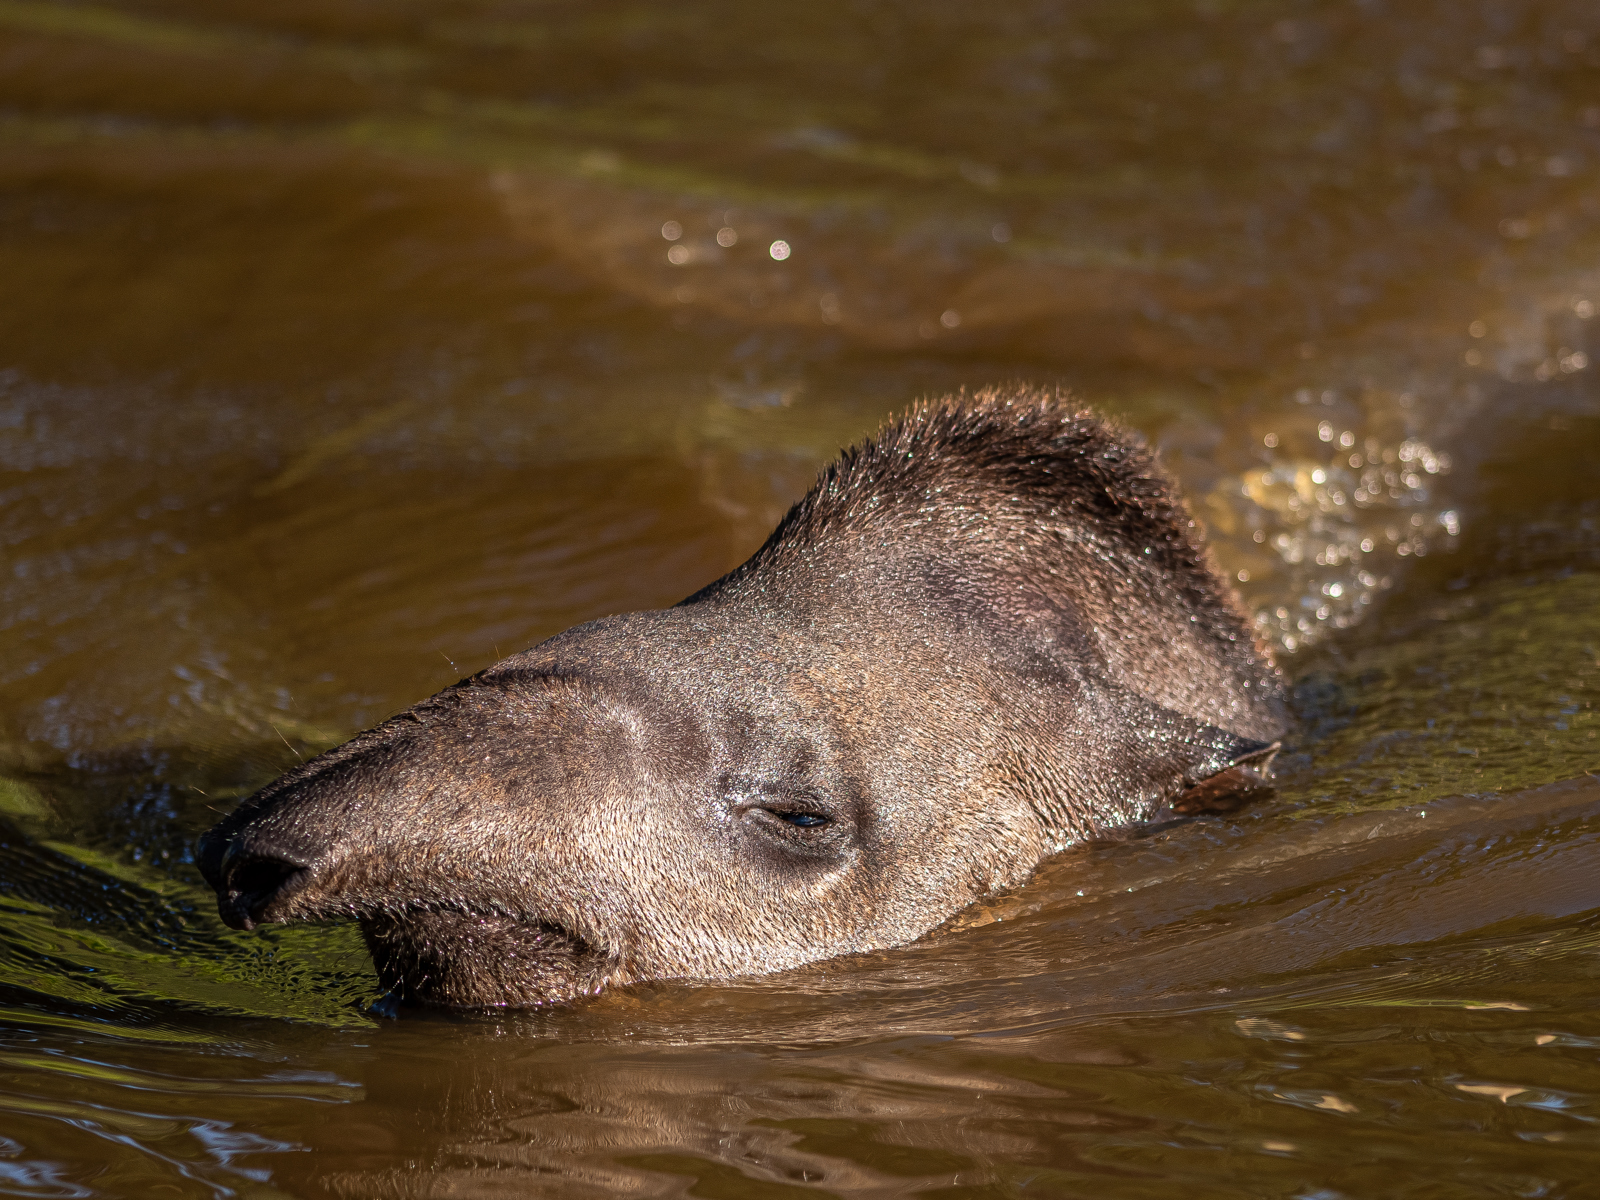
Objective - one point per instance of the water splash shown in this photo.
(1313, 536)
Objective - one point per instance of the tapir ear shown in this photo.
(1190, 766)
(1124, 760)
(1236, 782)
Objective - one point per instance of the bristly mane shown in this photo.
(1012, 464)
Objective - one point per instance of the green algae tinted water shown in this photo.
(345, 348)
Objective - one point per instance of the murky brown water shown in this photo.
(347, 346)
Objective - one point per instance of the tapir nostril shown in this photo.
(252, 881)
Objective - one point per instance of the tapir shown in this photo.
(987, 633)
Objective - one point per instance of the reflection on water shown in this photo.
(347, 348)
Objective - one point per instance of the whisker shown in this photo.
(285, 741)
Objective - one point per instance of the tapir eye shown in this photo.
(805, 820)
(790, 820)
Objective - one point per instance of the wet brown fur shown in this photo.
(989, 632)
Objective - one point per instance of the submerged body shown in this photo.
(989, 633)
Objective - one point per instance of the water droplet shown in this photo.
(779, 250)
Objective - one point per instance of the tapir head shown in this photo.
(649, 796)
(832, 750)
